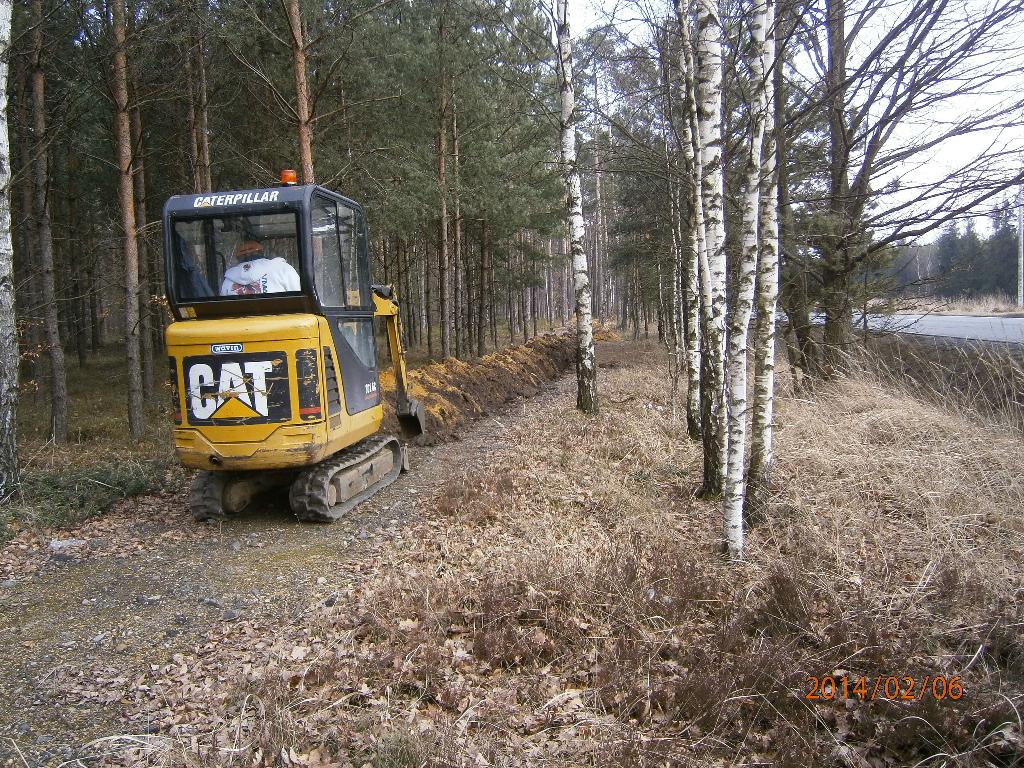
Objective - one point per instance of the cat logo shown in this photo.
(247, 389)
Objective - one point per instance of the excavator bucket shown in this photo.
(411, 419)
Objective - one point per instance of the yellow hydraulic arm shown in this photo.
(410, 414)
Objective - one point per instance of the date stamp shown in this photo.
(889, 687)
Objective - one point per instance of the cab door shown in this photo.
(342, 277)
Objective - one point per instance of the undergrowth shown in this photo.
(58, 498)
(62, 485)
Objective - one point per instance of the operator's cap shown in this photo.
(248, 249)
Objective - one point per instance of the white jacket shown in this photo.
(260, 276)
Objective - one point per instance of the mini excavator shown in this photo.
(273, 354)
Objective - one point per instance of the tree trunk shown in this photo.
(196, 99)
(191, 119)
(485, 268)
(709, 111)
(492, 309)
(444, 318)
(456, 238)
(837, 267)
(95, 328)
(600, 225)
(75, 259)
(424, 302)
(690, 235)
(767, 302)
(126, 200)
(9, 477)
(792, 274)
(676, 340)
(411, 326)
(202, 109)
(549, 284)
(302, 105)
(586, 365)
(145, 289)
(563, 304)
(44, 237)
(739, 320)
(26, 249)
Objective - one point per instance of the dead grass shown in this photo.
(980, 306)
(974, 379)
(570, 607)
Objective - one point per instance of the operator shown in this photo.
(254, 273)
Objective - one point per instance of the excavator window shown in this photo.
(236, 256)
(327, 253)
(338, 255)
(357, 283)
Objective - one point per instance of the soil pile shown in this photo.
(453, 392)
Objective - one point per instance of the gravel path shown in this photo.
(158, 582)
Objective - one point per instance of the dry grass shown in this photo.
(570, 607)
(974, 379)
(993, 304)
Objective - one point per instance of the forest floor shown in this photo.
(546, 590)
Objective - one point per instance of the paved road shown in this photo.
(1006, 329)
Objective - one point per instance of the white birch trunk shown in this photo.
(767, 301)
(709, 114)
(677, 340)
(693, 244)
(739, 320)
(8, 333)
(586, 365)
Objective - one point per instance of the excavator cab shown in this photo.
(272, 354)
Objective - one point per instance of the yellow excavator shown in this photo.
(273, 355)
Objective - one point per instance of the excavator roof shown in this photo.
(234, 200)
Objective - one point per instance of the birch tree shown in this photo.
(691, 239)
(708, 108)
(586, 365)
(767, 294)
(739, 318)
(8, 332)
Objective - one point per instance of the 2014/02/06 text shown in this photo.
(891, 687)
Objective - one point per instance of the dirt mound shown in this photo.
(453, 392)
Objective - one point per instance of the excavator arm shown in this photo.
(409, 411)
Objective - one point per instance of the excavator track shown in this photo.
(327, 491)
(215, 495)
(205, 496)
